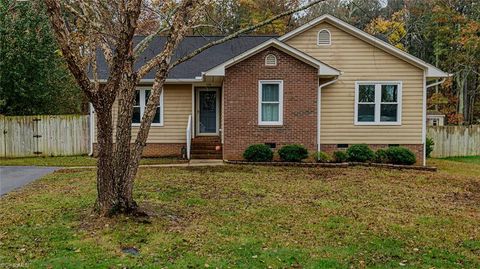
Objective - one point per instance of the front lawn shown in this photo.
(468, 159)
(74, 161)
(251, 217)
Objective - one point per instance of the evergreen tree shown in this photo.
(33, 76)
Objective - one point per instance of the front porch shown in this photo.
(204, 130)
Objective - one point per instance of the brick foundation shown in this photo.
(157, 150)
(241, 129)
(417, 149)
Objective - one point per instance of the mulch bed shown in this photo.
(339, 165)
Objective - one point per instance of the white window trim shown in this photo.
(378, 102)
(143, 104)
(280, 99)
(329, 39)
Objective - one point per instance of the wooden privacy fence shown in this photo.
(453, 141)
(59, 135)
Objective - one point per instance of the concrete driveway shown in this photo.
(13, 177)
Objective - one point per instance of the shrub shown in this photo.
(322, 157)
(401, 155)
(258, 153)
(293, 153)
(429, 146)
(360, 153)
(381, 156)
(340, 156)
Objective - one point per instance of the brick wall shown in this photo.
(241, 129)
(157, 150)
(417, 149)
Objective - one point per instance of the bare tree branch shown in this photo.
(140, 48)
(71, 55)
(243, 31)
(130, 13)
(158, 58)
(84, 17)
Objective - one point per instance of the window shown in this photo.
(141, 99)
(271, 60)
(324, 37)
(270, 103)
(378, 103)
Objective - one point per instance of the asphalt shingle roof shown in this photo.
(198, 64)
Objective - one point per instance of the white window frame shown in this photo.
(280, 102)
(143, 104)
(378, 102)
(329, 38)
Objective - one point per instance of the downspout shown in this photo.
(436, 83)
(92, 124)
(319, 107)
(424, 125)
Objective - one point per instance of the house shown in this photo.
(435, 118)
(326, 85)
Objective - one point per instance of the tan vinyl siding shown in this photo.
(360, 61)
(177, 101)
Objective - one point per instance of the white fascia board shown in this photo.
(432, 71)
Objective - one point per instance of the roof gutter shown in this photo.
(319, 107)
(168, 80)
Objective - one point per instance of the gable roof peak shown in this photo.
(323, 69)
(431, 71)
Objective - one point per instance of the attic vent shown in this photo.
(324, 37)
(271, 60)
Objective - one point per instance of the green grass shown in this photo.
(458, 165)
(468, 159)
(251, 217)
(73, 161)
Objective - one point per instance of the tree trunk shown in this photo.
(465, 99)
(150, 110)
(460, 93)
(106, 198)
(122, 159)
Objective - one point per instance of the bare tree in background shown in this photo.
(83, 27)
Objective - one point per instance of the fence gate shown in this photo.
(58, 135)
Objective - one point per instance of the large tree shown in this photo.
(84, 27)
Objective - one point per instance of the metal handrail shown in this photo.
(189, 136)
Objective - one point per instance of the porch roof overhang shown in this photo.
(324, 70)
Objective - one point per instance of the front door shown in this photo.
(207, 111)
